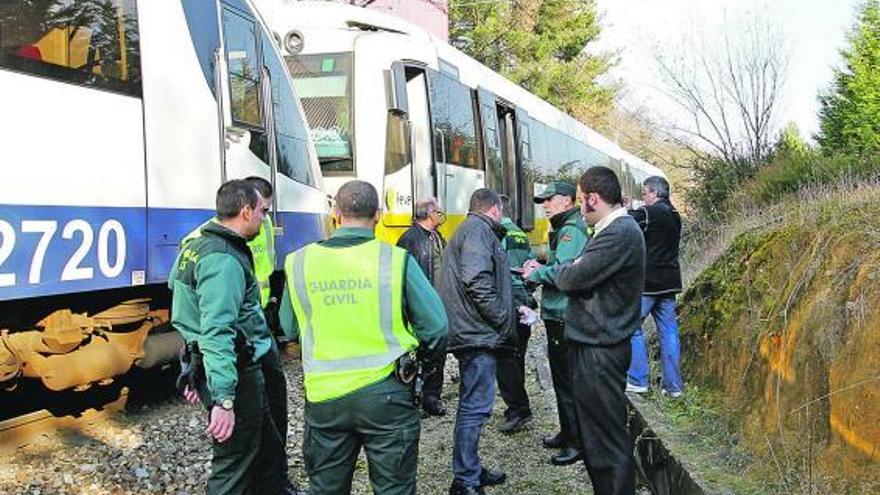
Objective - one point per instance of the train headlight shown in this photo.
(293, 42)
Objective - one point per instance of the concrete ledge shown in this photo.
(663, 472)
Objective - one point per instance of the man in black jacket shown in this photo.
(604, 287)
(478, 294)
(426, 245)
(661, 225)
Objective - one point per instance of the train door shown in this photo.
(393, 140)
(492, 143)
(505, 146)
(264, 128)
(248, 117)
(525, 171)
(458, 163)
(424, 176)
(411, 173)
(507, 125)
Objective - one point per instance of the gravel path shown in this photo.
(163, 449)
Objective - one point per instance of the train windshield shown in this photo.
(323, 84)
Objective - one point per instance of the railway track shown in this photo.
(34, 416)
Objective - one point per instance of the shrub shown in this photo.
(790, 172)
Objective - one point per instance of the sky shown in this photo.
(814, 31)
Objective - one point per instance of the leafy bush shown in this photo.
(790, 172)
(715, 183)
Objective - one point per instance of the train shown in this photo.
(122, 117)
(390, 104)
(121, 120)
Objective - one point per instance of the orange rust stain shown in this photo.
(853, 439)
(779, 353)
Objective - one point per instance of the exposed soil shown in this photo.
(783, 330)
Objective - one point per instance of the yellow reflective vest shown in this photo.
(348, 303)
(262, 249)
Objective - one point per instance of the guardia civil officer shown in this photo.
(262, 249)
(511, 370)
(262, 246)
(358, 305)
(216, 304)
(568, 236)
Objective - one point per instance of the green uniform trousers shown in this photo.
(380, 417)
(252, 460)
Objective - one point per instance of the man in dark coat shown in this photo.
(604, 287)
(661, 225)
(425, 243)
(477, 291)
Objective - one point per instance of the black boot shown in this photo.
(554, 441)
(492, 477)
(459, 489)
(434, 407)
(566, 456)
(515, 423)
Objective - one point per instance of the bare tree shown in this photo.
(729, 87)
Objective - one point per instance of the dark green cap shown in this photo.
(554, 188)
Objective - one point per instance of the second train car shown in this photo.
(390, 104)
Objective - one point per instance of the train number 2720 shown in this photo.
(73, 269)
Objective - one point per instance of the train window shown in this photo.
(89, 42)
(323, 84)
(396, 142)
(526, 138)
(293, 159)
(452, 113)
(448, 68)
(492, 141)
(243, 63)
(540, 158)
(290, 129)
(556, 149)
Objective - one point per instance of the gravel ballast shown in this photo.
(163, 448)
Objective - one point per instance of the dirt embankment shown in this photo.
(784, 328)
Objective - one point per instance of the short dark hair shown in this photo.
(424, 208)
(262, 186)
(602, 181)
(482, 200)
(658, 185)
(234, 195)
(358, 200)
(506, 205)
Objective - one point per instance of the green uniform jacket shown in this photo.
(262, 253)
(422, 306)
(215, 295)
(568, 238)
(519, 250)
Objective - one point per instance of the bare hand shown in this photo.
(222, 424)
(527, 316)
(190, 395)
(530, 266)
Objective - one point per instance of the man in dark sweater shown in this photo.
(661, 225)
(424, 242)
(604, 287)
